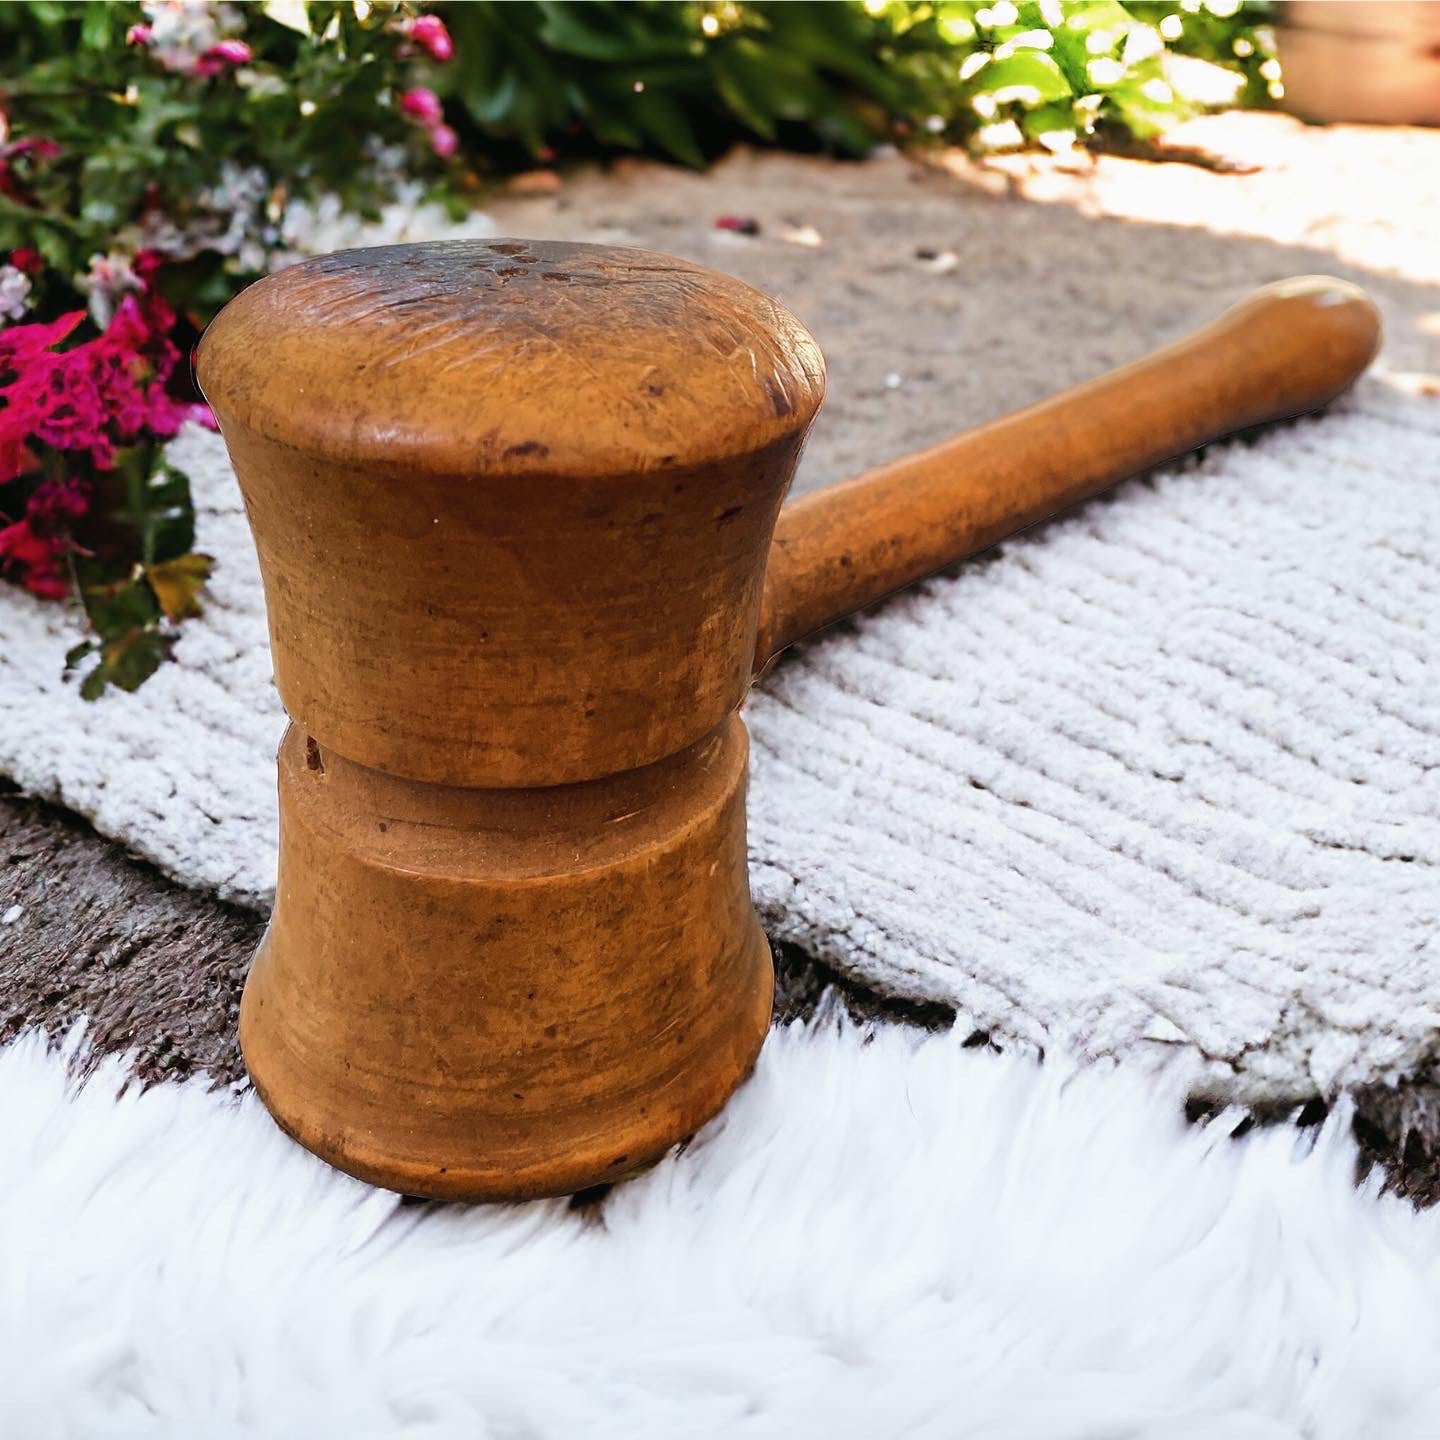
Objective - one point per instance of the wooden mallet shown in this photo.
(517, 508)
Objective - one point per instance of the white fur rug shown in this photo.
(1162, 778)
(883, 1239)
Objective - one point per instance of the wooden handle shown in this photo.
(1287, 349)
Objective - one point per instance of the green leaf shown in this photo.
(663, 120)
(177, 584)
(169, 514)
(1144, 115)
(1050, 120)
(956, 23)
(152, 509)
(92, 687)
(28, 215)
(607, 117)
(1085, 16)
(732, 80)
(115, 608)
(1031, 71)
(595, 30)
(130, 639)
(127, 660)
(95, 26)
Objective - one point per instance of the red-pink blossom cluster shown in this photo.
(213, 60)
(85, 401)
(430, 34)
(422, 104)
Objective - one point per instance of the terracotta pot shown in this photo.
(1374, 62)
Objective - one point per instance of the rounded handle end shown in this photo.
(1330, 327)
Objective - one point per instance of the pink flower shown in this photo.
(422, 104)
(36, 545)
(139, 35)
(429, 32)
(16, 459)
(39, 146)
(230, 52)
(20, 344)
(37, 557)
(55, 504)
(141, 322)
(133, 362)
(61, 401)
(88, 399)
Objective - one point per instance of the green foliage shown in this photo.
(126, 134)
(136, 157)
(1237, 36)
(139, 139)
(136, 571)
(685, 79)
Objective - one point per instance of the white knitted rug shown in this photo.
(1165, 775)
(1162, 778)
(1024, 1251)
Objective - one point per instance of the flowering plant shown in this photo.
(80, 425)
(155, 158)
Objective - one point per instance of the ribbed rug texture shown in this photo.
(1163, 776)
(1159, 779)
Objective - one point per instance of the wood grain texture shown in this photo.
(512, 505)
(156, 971)
(151, 968)
(495, 994)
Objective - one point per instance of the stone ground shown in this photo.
(1045, 276)
(944, 294)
